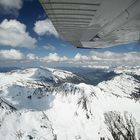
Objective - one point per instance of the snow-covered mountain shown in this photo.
(129, 70)
(52, 104)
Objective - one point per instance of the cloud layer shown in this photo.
(45, 27)
(93, 59)
(54, 57)
(14, 34)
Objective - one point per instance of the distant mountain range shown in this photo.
(52, 104)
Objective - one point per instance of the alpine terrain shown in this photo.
(51, 104)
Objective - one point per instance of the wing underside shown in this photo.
(95, 23)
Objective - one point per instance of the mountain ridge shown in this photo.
(67, 110)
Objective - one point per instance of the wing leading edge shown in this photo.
(95, 23)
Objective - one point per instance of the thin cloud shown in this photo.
(31, 56)
(49, 47)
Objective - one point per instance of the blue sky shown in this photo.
(28, 12)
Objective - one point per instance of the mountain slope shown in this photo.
(41, 103)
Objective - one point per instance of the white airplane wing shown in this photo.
(95, 23)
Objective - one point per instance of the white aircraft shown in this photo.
(95, 23)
